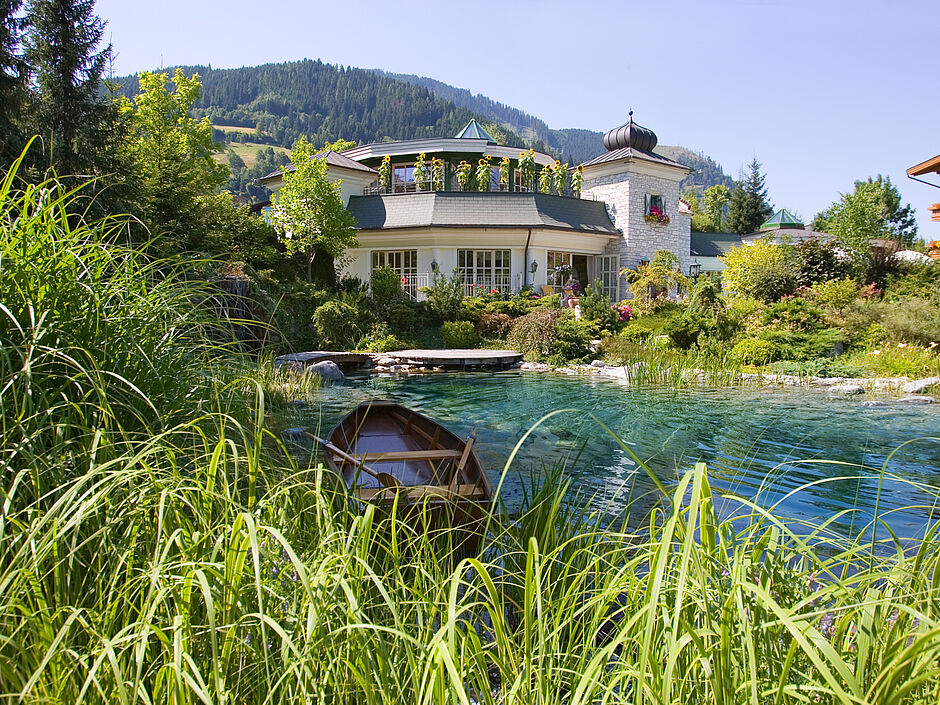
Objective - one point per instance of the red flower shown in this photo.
(404, 280)
(493, 291)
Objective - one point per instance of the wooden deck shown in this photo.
(346, 360)
(457, 358)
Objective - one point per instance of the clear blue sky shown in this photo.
(822, 92)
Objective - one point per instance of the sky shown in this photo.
(822, 92)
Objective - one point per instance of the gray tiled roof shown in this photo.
(630, 153)
(457, 209)
(712, 244)
(332, 159)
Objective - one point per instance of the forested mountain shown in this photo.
(575, 145)
(323, 102)
(272, 105)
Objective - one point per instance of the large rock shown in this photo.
(919, 385)
(327, 370)
(917, 399)
(845, 390)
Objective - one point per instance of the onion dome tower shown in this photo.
(630, 135)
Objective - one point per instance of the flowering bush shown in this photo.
(463, 174)
(623, 311)
(421, 173)
(657, 216)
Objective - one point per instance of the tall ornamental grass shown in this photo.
(157, 546)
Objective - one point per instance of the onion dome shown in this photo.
(630, 135)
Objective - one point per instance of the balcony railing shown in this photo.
(412, 283)
(487, 284)
(473, 286)
(410, 187)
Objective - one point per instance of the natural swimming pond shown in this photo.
(757, 442)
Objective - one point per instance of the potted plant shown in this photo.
(527, 168)
(421, 173)
(483, 173)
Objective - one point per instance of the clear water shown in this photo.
(758, 443)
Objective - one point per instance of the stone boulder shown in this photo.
(845, 390)
(327, 370)
(917, 399)
(919, 385)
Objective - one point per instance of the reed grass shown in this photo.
(157, 546)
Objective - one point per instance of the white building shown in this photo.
(511, 235)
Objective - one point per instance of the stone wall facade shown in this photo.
(625, 195)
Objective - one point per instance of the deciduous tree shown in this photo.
(898, 219)
(308, 213)
(171, 152)
(715, 199)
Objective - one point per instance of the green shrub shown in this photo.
(595, 306)
(683, 331)
(459, 334)
(386, 287)
(763, 270)
(804, 345)
(835, 294)
(400, 316)
(335, 322)
(818, 262)
(914, 281)
(752, 351)
(493, 324)
(572, 342)
(914, 320)
(445, 295)
(536, 332)
(704, 299)
(381, 340)
(793, 314)
(817, 367)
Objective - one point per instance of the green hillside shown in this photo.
(272, 105)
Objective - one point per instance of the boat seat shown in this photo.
(378, 456)
(418, 492)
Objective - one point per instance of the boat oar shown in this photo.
(384, 478)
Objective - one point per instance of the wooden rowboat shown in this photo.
(383, 450)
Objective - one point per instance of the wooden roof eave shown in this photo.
(928, 167)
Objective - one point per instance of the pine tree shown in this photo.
(71, 116)
(748, 207)
(13, 77)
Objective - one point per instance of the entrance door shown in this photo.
(579, 263)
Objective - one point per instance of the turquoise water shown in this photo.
(758, 443)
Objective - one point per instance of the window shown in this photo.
(607, 267)
(405, 262)
(403, 178)
(485, 269)
(559, 268)
(653, 201)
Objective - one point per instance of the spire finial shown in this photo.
(631, 115)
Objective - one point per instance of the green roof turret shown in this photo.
(782, 219)
(473, 131)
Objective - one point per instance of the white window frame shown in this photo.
(489, 269)
(607, 269)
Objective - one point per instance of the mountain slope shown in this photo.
(323, 102)
(575, 144)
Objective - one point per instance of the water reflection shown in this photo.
(759, 444)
